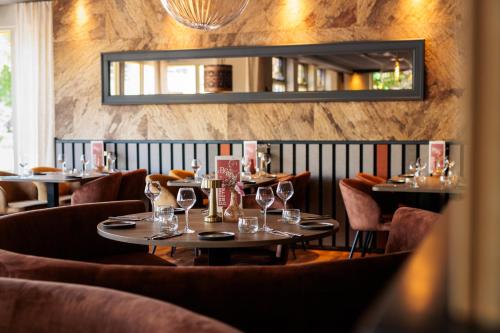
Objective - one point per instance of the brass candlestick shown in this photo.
(212, 185)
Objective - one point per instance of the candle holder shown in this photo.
(212, 185)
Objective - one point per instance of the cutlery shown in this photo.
(162, 235)
(286, 233)
(316, 218)
(126, 218)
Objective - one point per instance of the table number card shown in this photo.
(437, 152)
(250, 154)
(96, 154)
(227, 169)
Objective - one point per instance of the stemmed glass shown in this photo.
(245, 162)
(196, 166)
(186, 198)
(206, 191)
(61, 162)
(285, 191)
(152, 192)
(23, 164)
(267, 160)
(85, 162)
(417, 168)
(112, 160)
(265, 198)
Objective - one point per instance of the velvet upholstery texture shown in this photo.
(409, 226)
(168, 194)
(70, 233)
(47, 307)
(363, 211)
(296, 298)
(181, 174)
(132, 185)
(370, 179)
(99, 190)
(300, 184)
(18, 196)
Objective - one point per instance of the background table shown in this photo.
(145, 229)
(51, 181)
(259, 181)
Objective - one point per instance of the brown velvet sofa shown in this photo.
(70, 233)
(252, 298)
(34, 306)
(61, 245)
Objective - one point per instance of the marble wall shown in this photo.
(85, 28)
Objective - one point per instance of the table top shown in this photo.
(257, 181)
(146, 229)
(431, 185)
(51, 177)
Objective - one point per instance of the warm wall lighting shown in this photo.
(81, 13)
(293, 13)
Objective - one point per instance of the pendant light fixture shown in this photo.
(205, 14)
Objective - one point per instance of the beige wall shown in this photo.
(85, 28)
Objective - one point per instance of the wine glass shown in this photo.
(85, 162)
(196, 166)
(61, 162)
(23, 164)
(186, 198)
(267, 159)
(152, 192)
(265, 198)
(112, 160)
(285, 191)
(417, 169)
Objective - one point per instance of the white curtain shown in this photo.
(34, 84)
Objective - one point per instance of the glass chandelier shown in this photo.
(205, 14)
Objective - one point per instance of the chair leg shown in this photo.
(366, 243)
(154, 249)
(356, 238)
(293, 246)
(172, 251)
(370, 242)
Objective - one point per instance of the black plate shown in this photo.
(178, 210)
(118, 224)
(407, 175)
(316, 225)
(249, 182)
(73, 177)
(216, 235)
(273, 211)
(397, 180)
(39, 173)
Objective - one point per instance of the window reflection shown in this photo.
(330, 72)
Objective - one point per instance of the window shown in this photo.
(6, 125)
(279, 78)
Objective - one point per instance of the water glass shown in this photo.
(85, 162)
(61, 162)
(248, 225)
(291, 216)
(186, 198)
(170, 226)
(163, 213)
(265, 198)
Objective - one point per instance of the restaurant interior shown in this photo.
(249, 166)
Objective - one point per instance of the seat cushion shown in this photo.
(137, 258)
(21, 206)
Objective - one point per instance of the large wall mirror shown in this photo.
(349, 71)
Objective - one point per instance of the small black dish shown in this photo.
(118, 224)
(39, 174)
(397, 180)
(249, 182)
(273, 211)
(178, 210)
(73, 177)
(316, 225)
(216, 235)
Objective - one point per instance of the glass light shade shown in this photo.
(205, 14)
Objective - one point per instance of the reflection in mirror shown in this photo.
(387, 70)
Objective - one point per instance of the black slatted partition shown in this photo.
(328, 162)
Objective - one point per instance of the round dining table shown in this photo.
(219, 251)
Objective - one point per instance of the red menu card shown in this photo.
(96, 154)
(250, 154)
(437, 151)
(227, 169)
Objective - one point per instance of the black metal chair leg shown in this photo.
(154, 249)
(366, 243)
(356, 238)
(370, 242)
(304, 246)
(172, 251)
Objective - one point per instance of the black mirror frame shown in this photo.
(417, 93)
